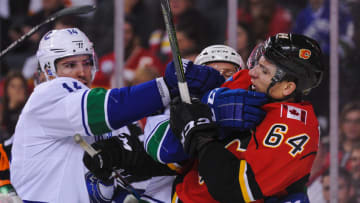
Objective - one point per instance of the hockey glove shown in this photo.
(192, 124)
(122, 152)
(199, 78)
(117, 152)
(238, 108)
(101, 165)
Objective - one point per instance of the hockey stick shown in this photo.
(170, 28)
(76, 10)
(92, 152)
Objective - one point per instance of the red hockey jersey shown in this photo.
(280, 154)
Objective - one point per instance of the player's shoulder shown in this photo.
(301, 112)
(49, 92)
(60, 85)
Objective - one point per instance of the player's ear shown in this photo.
(288, 88)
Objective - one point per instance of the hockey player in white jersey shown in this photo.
(47, 163)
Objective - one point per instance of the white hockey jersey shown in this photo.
(46, 162)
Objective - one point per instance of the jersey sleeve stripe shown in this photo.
(244, 184)
(84, 113)
(152, 132)
(96, 111)
(105, 110)
(253, 185)
(175, 198)
(154, 144)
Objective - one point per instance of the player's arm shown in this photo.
(160, 142)
(228, 179)
(105, 110)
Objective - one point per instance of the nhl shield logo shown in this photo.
(304, 53)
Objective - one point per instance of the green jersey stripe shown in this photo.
(105, 110)
(96, 111)
(156, 140)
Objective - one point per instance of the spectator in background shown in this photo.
(355, 170)
(346, 191)
(350, 129)
(101, 26)
(49, 7)
(144, 74)
(15, 96)
(350, 140)
(349, 71)
(266, 18)
(349, 133)
(191, 39)
(245, 40)
(185, 16)
(320, 165)
(135, 57)
(314, 21)
(68, 22)
(216, 12)
(10, 27)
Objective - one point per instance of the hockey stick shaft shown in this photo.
(180, 73)
(87, 148)
(76, 10)
(92, 152)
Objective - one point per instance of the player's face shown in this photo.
(261, 76)
(77, 67)
(225, 69)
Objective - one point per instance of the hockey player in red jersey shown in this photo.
(272, 162)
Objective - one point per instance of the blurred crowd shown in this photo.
(198, 23)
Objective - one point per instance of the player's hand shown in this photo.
(119, 152)
(102, 164)
(200, 79)
(192, 124)
(237, 108)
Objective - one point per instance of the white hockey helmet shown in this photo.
(57, 44)
(219, 53)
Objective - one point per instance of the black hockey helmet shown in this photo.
(295, 55)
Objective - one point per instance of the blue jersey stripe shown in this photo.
(83, 112)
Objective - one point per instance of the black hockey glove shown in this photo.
(192, 124)
(101, 165)
(122, 152)
(117, 152)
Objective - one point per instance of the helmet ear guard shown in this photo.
(58, 44)
(220, 53)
